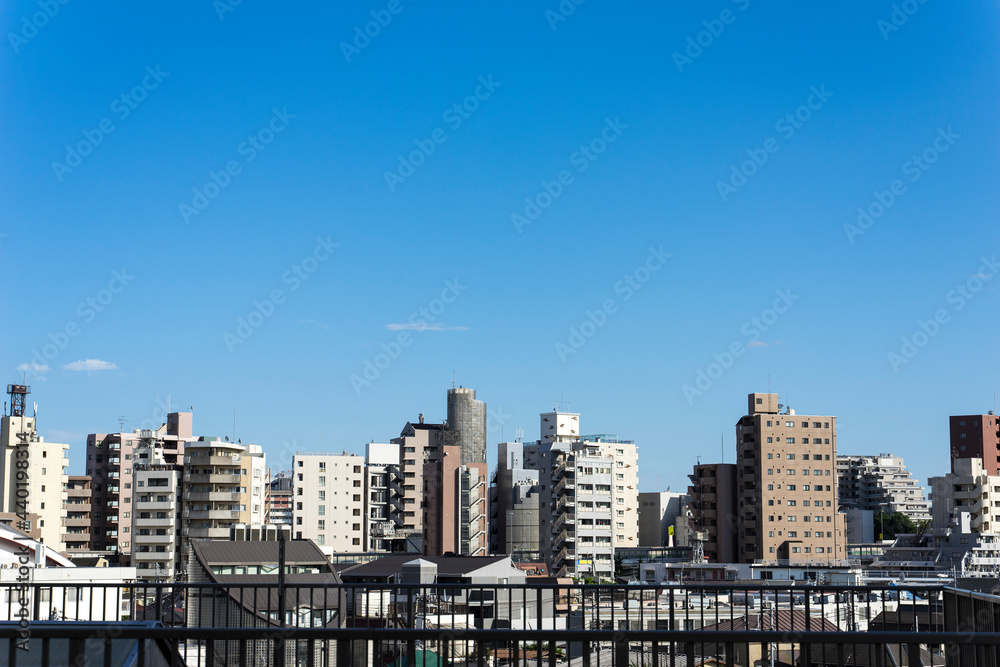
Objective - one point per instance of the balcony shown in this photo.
(156, 506)
(565, 484)
(153, 555)
(214, 533)
(152, 523)
(214, 496)
(217, 514)
(154, 539)
(202, 478)
(564, 537)
(76, 522)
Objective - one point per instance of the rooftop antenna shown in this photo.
(121, 424)
(453, 379)
(234, 419)
(722, 442)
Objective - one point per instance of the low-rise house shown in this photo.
(249, 597)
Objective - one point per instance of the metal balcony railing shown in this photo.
(282, 623)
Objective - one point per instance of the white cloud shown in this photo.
(423, 326)
(91, 365)
(317, 323)
(33, 368)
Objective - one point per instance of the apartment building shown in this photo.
(976, 437)
(110, 458)
(279, 500)
(588, 500)
(158, 543)
(76, 533)
(714, 511)
(880, 484)
(47, 466)
(223, 485)
(787, 477)
(514, 503)
(329, 500)
(455, 506)
(383, 496)
(419, 443)
(971, 489)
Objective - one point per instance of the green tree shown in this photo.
(887, 526)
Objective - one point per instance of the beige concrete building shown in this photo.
(968, 489)
(76, 531)
(419, 444)
(157, 540)
(328, 501)
(224, 484)
(787, 476)
(47, 467)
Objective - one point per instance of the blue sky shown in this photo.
(622, 145)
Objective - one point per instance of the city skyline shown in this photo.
(279, 455)
(646, 213)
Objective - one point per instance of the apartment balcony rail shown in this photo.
(283, 623)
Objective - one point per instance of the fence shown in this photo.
(293, 623)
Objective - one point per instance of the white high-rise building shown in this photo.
(44, 490)
(969, 489)
(328, 501)
(880, 483)
(383, 495)
(588, 496)
(157, 543)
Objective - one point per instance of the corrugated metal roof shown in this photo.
(225, 552)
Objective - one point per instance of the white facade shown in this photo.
(970, 490)
(64, 599)
(880, 483)
(157, 551)
(328, 501)
(44, 491)
(588, 502)
(383, 483)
